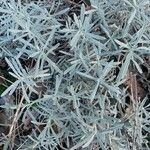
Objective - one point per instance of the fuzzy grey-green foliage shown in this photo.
(76, 61)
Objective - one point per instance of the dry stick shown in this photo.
(72, 2)
(1, 77)
(14, 120)
(134, 97)
(134, 87)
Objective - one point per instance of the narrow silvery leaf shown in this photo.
(90, 11)
(75, 39)
(14, 75)
(74, 98)
(24, 93)
(57, 84)
(61, 12)
(94, 92)
(107, 69)
(12, 67)
(124, 67)
(86, 76)
(82, 13)
(137, 66)
(53, 65)
(76, 20)
(138, 58)
(124, 45)
(129, 3)
(90, 138)
(132, 16)
(11, 88)
(86, 141)
(49, 38)
(52, 49)
(72, 67)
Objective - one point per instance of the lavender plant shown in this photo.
(74, 94)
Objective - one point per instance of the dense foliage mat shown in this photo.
(75, 74)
